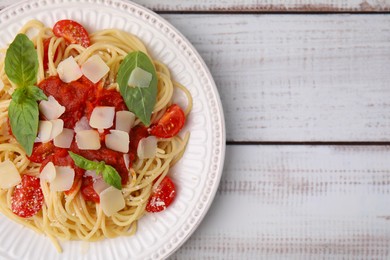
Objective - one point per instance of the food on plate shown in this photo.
(89, 130)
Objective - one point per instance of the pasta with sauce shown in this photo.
(77, 214)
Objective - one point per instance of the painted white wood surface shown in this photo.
(261, 5)
(298, 202)
(268, 6)
(297, 77)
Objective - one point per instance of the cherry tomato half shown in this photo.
(72, 32)
(170, 123)
(162, 197)
(27, 198)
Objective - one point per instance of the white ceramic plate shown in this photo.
(198, 173)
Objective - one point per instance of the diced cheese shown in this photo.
(44, 131)
(82, 124)
(58, 126)
(1, 85)
(111, 201)
(126, 159)
(94, 68)
(118, 141)
(64, 139)
(102, 117)
(64, 178)
(147, 147)
(51, 109)
(88, 140)
(139, 78)
(9, 175)
(92, 174)
(124, 120)
(48, 173)
(68, 70)
(100, 185)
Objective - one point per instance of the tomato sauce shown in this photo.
(80, 98)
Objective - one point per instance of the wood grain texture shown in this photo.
(268, 6)
(298, 202)
(297, 77)
(262, 6)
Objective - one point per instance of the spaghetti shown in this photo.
(68, 216)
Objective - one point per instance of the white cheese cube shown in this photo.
(44, 131)
(48, 173)
(118, 141)
(58, 126)
(100, 185)
(95, 68)
(139, 78)
(82, 124)
(64, 178)
(68, 70)
(102, 117)
(147, 147)
(64, 139)
(124, 120)
(111, 201)
(51, 109)
(88, 140)
(126, 159)
(9, 175)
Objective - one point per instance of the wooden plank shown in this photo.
(297, 77)
(263, 6)
(268, 6)
(298, 202)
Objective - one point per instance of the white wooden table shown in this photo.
(305, 86)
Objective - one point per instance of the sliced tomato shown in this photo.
(72, 32)
(162, 197)
(170, 123)
(27, 198)
(41, 151)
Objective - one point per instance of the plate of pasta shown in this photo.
(112, 136)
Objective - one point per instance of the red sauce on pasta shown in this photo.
(80, 98)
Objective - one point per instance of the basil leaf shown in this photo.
(23, 115)
(110, 175)
(21, 61)
(21, 67)
(140, 101)
(36, 93)
(83, 163)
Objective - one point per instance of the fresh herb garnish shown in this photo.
(140, 101)
(21, 67)
(110, 175)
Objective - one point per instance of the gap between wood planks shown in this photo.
(335, 143)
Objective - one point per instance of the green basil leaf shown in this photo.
(23, 115)
(36, 93)
(21, 61)
(140, 101)
(19, 95)
(110, 175)
(83, 163)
